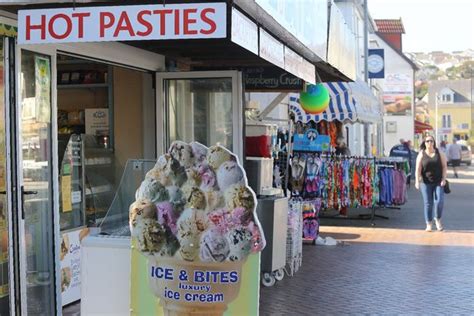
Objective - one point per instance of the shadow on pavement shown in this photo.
(376, 279)
(340, 236)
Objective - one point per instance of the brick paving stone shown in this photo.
(393, 269)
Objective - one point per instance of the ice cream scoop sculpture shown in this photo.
(194, 218)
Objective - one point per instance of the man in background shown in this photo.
(454, 156)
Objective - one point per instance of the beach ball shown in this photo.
(315, 99)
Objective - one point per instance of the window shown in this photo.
(201, 110)
(447, 97)
(446, 121)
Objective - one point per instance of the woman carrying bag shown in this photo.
(431, 170)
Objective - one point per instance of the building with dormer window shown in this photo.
(455, 117)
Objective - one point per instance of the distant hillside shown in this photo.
(440, 65)
(444, 66)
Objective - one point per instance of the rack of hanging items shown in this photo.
(303, 177)
(330, 181)
(392, 173)
(294, 247)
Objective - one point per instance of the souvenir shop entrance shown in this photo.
(326, 178)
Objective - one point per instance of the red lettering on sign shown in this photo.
(41, 27)
(80, 22)
(124, 24)
(209, 21)
(103, 25)
(162, 14)
(145, 23)
(51, 30)
(187, 21)
(176, 22)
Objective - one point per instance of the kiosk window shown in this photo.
(105, 117)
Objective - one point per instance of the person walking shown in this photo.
(341, 148)
(443, 147)
(454, 156)
(431, 170)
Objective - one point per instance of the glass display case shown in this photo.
(71, 181)
(87, 180)
(101, 172)
(115, 222)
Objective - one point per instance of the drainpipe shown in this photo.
(366, 75)
(366, 41)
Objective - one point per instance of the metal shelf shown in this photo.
(98, 190)
(98, 164)
(83, 86)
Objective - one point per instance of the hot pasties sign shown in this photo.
(122, 23)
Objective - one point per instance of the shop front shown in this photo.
(87, 112)
(351, 116)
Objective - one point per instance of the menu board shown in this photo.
(70, 257)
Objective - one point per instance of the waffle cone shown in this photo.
(204, 298)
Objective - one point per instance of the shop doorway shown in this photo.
(201, 106)
(38, 206)
(36, 184)
(27, 218)
(105, 117)
(6, 258)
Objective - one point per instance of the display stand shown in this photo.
(379, 162)
(294, 246)
(107, 254)
(84, 188)
(305, 146)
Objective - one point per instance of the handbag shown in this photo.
(446, 187)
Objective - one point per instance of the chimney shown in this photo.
(391, 31)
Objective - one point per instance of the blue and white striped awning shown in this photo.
(348, 102)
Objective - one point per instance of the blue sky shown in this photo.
(430, 25)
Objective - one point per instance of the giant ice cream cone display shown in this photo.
(194, 218)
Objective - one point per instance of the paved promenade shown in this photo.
(393, 268)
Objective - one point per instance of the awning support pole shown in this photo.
(271, 106)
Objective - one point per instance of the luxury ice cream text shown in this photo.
(193, 291)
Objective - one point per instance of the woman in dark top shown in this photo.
(431, 169)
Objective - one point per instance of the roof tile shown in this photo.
(390, 25)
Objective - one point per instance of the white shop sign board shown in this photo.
(123, 23)
(272, 49)
(244, 31)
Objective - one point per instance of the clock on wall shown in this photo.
(375, 63)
